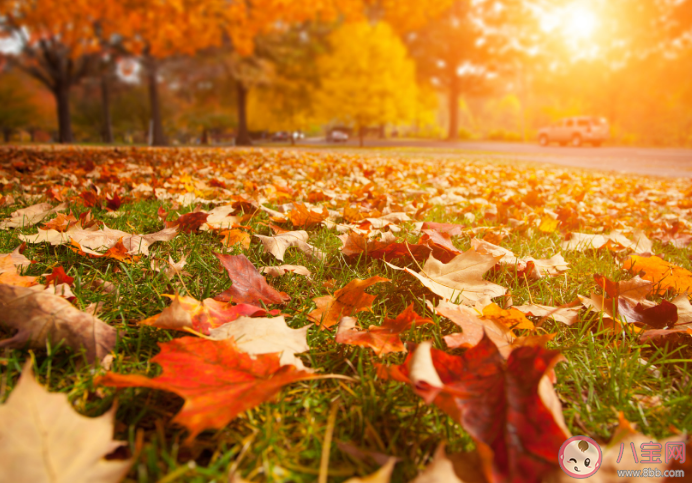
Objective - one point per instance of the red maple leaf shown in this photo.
(384, 338)
(217, 381)
(249, 286)
(499, 404)
(112, 204)
(59, 276)
(189, 222)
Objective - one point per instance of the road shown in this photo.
(668, 162)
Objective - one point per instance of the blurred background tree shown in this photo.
(213, 70)
(367, 79)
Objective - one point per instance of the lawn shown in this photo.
(626, 355)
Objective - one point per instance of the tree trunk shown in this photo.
(361, 135)
(158, 138)
(243, 137)
(6, 134)
(62, 100)
(453, 133)
(107, 133)
(382, 131)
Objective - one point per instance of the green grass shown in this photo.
(282, 441)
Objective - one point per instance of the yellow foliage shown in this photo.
(368, 78)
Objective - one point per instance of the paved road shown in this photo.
(649, 161)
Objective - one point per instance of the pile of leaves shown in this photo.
(278, 315)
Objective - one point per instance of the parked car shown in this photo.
(281, 136)
(576, 131)
(337, 137)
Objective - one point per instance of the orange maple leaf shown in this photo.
(345, 301)
(663, 274)
(217, 381)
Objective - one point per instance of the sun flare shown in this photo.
(575, 21)
(580, 22)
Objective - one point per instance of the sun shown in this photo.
(576, 21)
(579, 22)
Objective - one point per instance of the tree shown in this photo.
(453, 52)
(57, 42)
(16, 109)
(367, 79)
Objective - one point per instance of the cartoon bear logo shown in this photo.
(580, 457)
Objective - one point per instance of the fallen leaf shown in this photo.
(216, 379)
(281, 270)
(450, 229)
(474, 328)
(189, 313)
(303, 217)
(43, 439)
(382, 475)
(345, 302)
(354, 244)
(458, 468)
(171, 267)
(61, 222)
(460, 280)
(508, 407)
(534, 268)
(189, 222)
(13, 260)
(30, 216)
(382, 339)
(249, 287)
(58, 276)
(441, 245)
(614, 241)
(665, 276)
(662, 315)
(235, 237)
(565, 315)
(266, 336)
(510, 318)
(102, 239)
(278, 244)
(40, 317)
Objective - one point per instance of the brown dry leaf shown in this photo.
(536, 268)
(40, 317)
(457, 468)
(102, 239)
(382, 475)
(566, 315)
(281, 270)
(614, 241)
(278, 244)
(171, 268)
(14, 259)
(235, 237)
(220, 218)
(266, 336)
(43, 439)
(460, 280)
(473, 328)
(30, 216)
(682, 302)
(345, 301)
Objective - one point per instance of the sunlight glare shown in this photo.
(579, 22)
